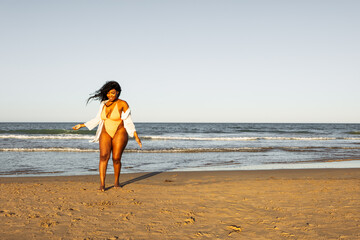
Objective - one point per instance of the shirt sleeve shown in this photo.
(96, 120)
(128, 122)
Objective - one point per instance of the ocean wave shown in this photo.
(317, 161)
(28, 171)
(176, 150)
(14, 136)
(353, 133)
(47, 150)
(47, 131)
(175, 138)
(201, 138)
(276, 131)
(185, 150)
(245, 138)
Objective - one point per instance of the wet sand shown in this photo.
(270, 204)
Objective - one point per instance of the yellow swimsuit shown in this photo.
(112, 123)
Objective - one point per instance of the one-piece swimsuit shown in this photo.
(112, 123)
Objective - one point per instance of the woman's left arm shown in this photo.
(137, 139)
(128, 123)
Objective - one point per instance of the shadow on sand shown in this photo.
(139, 178)
(147, 175)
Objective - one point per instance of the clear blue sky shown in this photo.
(182, 61)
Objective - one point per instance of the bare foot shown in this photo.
(102, 188)
(117, 185)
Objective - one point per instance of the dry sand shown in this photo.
(274, 204)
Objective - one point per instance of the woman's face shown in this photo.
(112, 95)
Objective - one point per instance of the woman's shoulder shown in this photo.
(122, 104)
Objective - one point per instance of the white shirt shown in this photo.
(125, 116)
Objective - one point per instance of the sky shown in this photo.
(182, 61)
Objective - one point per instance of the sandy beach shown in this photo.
(272, 204)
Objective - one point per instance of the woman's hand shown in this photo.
(78, 126)
(137, 139)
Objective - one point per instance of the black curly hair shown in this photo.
(102, 92)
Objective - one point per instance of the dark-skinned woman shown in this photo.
(115, 126)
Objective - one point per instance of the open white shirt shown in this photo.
(125, 116)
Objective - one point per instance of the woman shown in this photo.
(115, 124)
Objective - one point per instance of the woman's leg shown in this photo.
(119, 143)
(105, 151)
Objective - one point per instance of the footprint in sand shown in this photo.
(46, 223)
(8, 213)
(234, 229)
(105, 203)
(75, 219)
(136, 202)
(287, 234)
(33, 216)
(127, 216)
(190, 220)
(202, 234)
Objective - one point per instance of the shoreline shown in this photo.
(246, 173)
(273, 166)
(258, 204)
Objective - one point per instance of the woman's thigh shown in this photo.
(105, 144)
(119, 142)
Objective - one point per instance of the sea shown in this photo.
(54, 149)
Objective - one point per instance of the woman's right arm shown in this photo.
(93, 122)
(78, 126)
